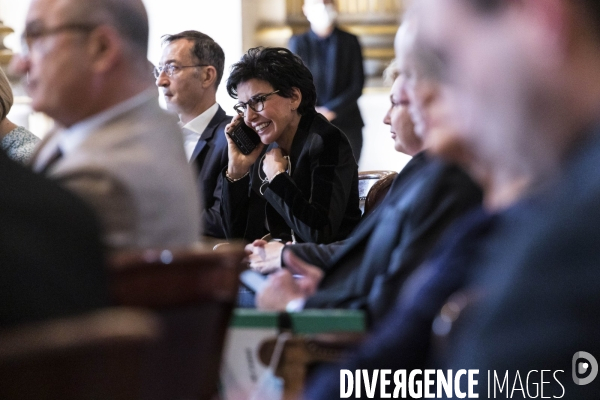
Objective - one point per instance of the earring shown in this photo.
(293, 109)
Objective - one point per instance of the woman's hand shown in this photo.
(239, 163)
(274, 163)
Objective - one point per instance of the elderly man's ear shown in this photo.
(105, 47)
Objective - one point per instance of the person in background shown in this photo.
(368, 270)
(113, 146)
(15, 140)
(335, 59)
(188, 75)
(301, 182)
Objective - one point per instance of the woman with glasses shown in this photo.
(301, 182)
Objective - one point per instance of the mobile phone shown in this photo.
(253, 280)
(244, 138)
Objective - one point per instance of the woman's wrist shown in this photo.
(281, 171)
(235, 178)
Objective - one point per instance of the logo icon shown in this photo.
(584, 363)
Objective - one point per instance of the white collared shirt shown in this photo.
(69, 139)
(195, 128)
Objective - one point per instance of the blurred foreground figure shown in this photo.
(526, 75)
(51, 260)
(114, 147)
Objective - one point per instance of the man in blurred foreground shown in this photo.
(114, 147)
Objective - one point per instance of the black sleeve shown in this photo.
(318, 219)
(318, 255)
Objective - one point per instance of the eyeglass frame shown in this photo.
(259, 99)
(170, 66)
(29, 38)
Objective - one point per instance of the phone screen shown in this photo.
(244, 138)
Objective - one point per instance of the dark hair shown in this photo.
(278, 66)
(205, 49)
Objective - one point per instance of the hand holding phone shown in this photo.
(244, 138)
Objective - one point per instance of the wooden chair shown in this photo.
(372, 188)
(193, 291)
(94, 356)
(302, 352)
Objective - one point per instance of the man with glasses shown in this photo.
(86, 67)
(188, 76)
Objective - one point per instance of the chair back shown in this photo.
(372, 188)
(194, 292)
(93, 356)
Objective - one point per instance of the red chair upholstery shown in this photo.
(372, 188)
(194, 292)
(89, 357)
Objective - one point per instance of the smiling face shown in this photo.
(401, 124)
(60, 75)
(276, 122)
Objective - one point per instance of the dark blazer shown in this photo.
(370, 268)
(51, 259)
(210, 157)
(403, 338)
(318, 202)
(343, 72)
(540, 276)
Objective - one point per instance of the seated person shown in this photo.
(367, 270)
(50, 250)
(15, 140)
(301, 182)
(112, 145)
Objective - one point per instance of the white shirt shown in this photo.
(69, 139)
(194, 129)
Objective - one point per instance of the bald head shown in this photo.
(128, 17)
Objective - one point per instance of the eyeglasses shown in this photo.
(31, 36)
(170, 69)
(256, 103)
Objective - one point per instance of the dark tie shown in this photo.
(51, 161)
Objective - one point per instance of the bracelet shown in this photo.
(277, 173)
(230, 179)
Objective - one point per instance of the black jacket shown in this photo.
(344, 74)
(210, 157)
(368, 270)
(318, 202)
(51, 256)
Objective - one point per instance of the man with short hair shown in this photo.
(113, 146)
(189, 73)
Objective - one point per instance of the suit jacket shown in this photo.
(318, 201)
(51, 257)
(368, 271)
(342, 73)
(403, 338)
(540, 275)
(133, 172)
(210, 157)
